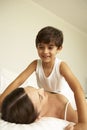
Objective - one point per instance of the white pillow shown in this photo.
(7, 76)
(46, 123)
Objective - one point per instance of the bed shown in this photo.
(46, 123)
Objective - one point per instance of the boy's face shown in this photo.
(47, 52)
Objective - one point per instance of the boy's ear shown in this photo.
(59, 48)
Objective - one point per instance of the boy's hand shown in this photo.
(69, 127)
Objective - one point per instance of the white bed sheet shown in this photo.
(46, 123)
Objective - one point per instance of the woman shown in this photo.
(26, 105)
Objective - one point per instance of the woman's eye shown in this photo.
(40, 97)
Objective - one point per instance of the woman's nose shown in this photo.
(41, 90)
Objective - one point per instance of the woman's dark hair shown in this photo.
(50, 34)
(18, 108)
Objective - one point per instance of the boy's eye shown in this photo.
(40, 47)
(51, 47)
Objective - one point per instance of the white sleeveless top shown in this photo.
(55, 82)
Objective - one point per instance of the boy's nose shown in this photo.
(45, 50)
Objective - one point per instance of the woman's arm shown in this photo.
(82, 115)
(79, 97)
(19, 80)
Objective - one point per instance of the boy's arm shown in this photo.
(79, 96)
(19, 80)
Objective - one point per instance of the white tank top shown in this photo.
(55, 82)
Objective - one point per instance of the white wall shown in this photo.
(20, 20)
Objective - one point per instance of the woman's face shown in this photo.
(37, 96)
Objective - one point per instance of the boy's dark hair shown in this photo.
(50, 34)
(18, 108)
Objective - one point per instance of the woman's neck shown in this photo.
(53, 107)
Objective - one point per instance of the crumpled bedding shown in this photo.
(46, 123)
